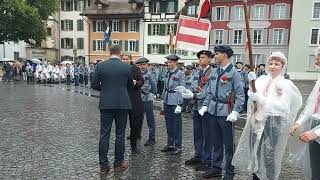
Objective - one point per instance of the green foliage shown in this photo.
(25, 20)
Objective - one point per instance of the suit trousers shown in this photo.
(222, 134)
(68, 79)
(120, 117)
(148, 107)
(76, 80)
(174, 126)
(135, 126)
(85, 77)
(81, 78)
(198, 134)
(314, 149)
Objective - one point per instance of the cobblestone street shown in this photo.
(52, 132)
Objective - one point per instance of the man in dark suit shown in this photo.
(113, 79)
(136, 115)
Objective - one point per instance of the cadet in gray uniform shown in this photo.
(172, 102)
(224, 102)
(148, 92)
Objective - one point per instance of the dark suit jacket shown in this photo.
(113, 79)
(134, 92)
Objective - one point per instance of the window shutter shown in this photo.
(244, 37)
(163, 6)
(126, 45)
(104, 47)
(149, 29)
(225, 37)
(175, 29)
(162, 29)
(162, 48)
(62, 5)
(62, 43)
(285, 37)
(120, 26)
(175, 6)
(270, 36)
(75, 6)
(71, 43)
(62, 25)
(104, 26)
(110, 25)
(94, 45)
(71, 25)
(78, 43)
(137, 46)
(94, 26)
(149, 49)
(78, 25)
(120, 44)
(127, 26)
(137, 26)
(264, 36)
(213, 37)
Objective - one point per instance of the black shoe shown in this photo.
(211, 173)
(255, 177)
(128, 138)
(176, 152)
(150, 143)
(193, 161)
(167, 149)
(202, 167)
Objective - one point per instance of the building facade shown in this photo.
(270, 25)
(125, 21)
(13, 50)
(304, 38)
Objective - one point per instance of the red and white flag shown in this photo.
(192, 34)
(203, 9)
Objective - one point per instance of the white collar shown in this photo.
(204, 70)
(115, 56)
(225, 67)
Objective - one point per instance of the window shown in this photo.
(257, 58)
(182, 52)
(80, 25)
(99, 45)
(218, 37)
(280, 11)
(237, 37)
(257, 36)
(171, 28)
(79, 6)
(192, 10)
(132, 26)
(80, 43)
(66, 43)
(220, 13)
(116, 42)
(239, 13)
(99, 26)
(69, 6)
(155, 7)
(278, 36)
(316, 10)
(170, 7)
(67, 58)
(68, 25)
(49, 31)
(16, 55)
(154, 48)
(155, 29)
(236, 58)
(258, 12)
(315, 37)
(131, 45)
(115, 26)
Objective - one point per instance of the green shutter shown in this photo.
(163, 6)
(104, 46)
(127, 26)
(137, 46)
(175, 29)
(120, 25)
(137, 26)
(62, 6)
(71, 43)
(176, 6)
(104, 26)
(120, 44)
(162, 49)
(78, 43)
(78, 25)
(149, 29)
(149, 49)
(75, 6)
(71, 25)
(162, 29)
(62, 25)
(125, 45)
(94, 46)
(62, 43)
(94, 26)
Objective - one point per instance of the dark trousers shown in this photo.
(29, 79)
(174, 126)
(148, 108)
(208, 124)
(222, 134)
(68, 79)
(135, 126)
(198, 134)
(85, 77)
(81, 79)
(245, 99)
(76, 80)
(107, 116)
(160, 87)
(314, 149)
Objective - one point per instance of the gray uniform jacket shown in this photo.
(218, 92)
(173, 80)
(149, 88)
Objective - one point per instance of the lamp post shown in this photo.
(75, 55)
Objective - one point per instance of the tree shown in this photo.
(25, 20)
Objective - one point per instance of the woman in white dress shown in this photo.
(264, 138)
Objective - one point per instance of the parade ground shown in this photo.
(52, 132)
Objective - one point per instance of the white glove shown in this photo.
(187, 95)
(178, 110)
(316, 116)
(203, 110)
(180, 89)
(233, 116)
(252, 76)
(257, 97)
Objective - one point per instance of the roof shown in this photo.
(114, 9)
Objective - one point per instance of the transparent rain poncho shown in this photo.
(265, 135)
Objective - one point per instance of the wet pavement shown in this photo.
(52, 132)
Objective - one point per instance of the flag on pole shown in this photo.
(171, 35)
(107, 34)
(203, 9)
(192, 34)
(246, 46)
